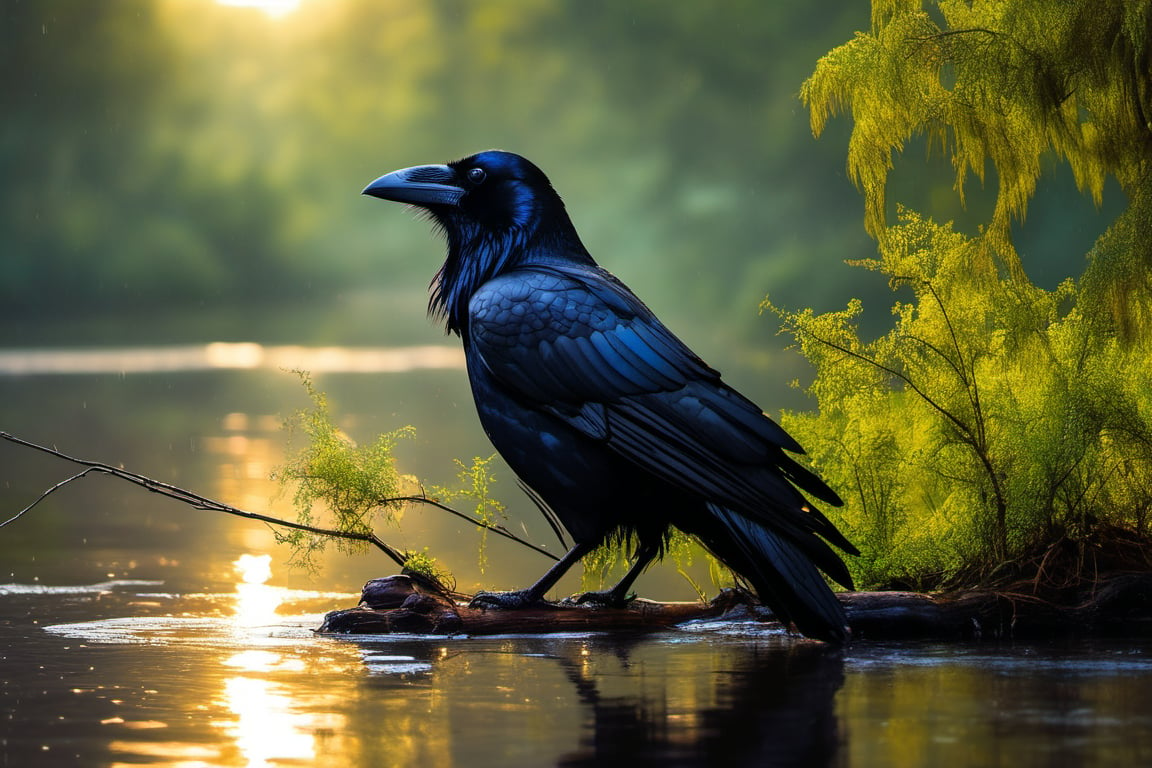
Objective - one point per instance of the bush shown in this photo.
(993, 415)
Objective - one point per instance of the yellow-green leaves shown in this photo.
(991, 414)
(999, 85)
(476, 481)
(994, 413)
(341, 489)
(337, 482)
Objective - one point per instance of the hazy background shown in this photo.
(188, 171)
(198, 163)
(183, 159)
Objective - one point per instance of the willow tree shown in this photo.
(1006, 83)
(995, 415)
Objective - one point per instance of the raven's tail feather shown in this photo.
(782, 574)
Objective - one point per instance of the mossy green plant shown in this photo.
(337, 483)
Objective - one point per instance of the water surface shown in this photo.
(125, 673)
(138, 631)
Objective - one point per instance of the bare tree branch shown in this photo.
(495, 528)
(202, 502)
(45, 495)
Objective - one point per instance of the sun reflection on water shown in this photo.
(268, 728)
(256, 602)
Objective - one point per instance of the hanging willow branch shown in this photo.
(197, 501)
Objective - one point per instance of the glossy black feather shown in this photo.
(611, 421)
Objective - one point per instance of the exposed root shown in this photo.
(1063, 569)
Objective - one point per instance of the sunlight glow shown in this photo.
(254, 569)
(260, 662)
(274, 8)
(221, 355)
(267, 730)
(256, 602)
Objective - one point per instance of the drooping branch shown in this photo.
(493, 527)
(197, 501)
(45, 495)
(955, 420)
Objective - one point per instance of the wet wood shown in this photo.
(1120, 604)
(405, 604)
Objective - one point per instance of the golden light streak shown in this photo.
(266, 730)
(274, 8)
(256, 602)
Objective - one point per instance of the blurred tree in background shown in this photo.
(181, 155)
(997, 419)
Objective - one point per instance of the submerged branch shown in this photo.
(1116, 604)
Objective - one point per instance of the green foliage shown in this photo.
(338, 484)
(684, 551)
(602, 563)
(995, 415)
(476, 482)
(1009, 83)
(992, 415)
(611, 560)
(425, 565)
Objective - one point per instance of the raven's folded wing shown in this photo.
(575, 342)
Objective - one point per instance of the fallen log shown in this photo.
(409, 604)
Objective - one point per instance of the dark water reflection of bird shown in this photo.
(773, 706)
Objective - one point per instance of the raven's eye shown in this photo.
(477, 175)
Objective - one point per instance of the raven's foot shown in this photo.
(506, 600)
(606, 599)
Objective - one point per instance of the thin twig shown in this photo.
(960, 425)
(45, 495)
(494, 527)
(194, 499)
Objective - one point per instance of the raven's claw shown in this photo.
(506, 600)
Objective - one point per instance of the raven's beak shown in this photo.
(421, 185)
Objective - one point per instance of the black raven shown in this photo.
(614, 426)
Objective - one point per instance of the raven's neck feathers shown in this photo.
(477, 254)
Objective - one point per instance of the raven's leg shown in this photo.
(525, 598)
(618, 596)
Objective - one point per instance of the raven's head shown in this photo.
(497, 210)
(490, 192)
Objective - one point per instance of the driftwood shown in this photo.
(408, 604)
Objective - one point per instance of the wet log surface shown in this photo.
(1120, 604)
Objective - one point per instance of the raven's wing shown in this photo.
(575, 342)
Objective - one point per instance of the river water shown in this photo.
(138, 631)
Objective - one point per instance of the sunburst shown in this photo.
(274, 8)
